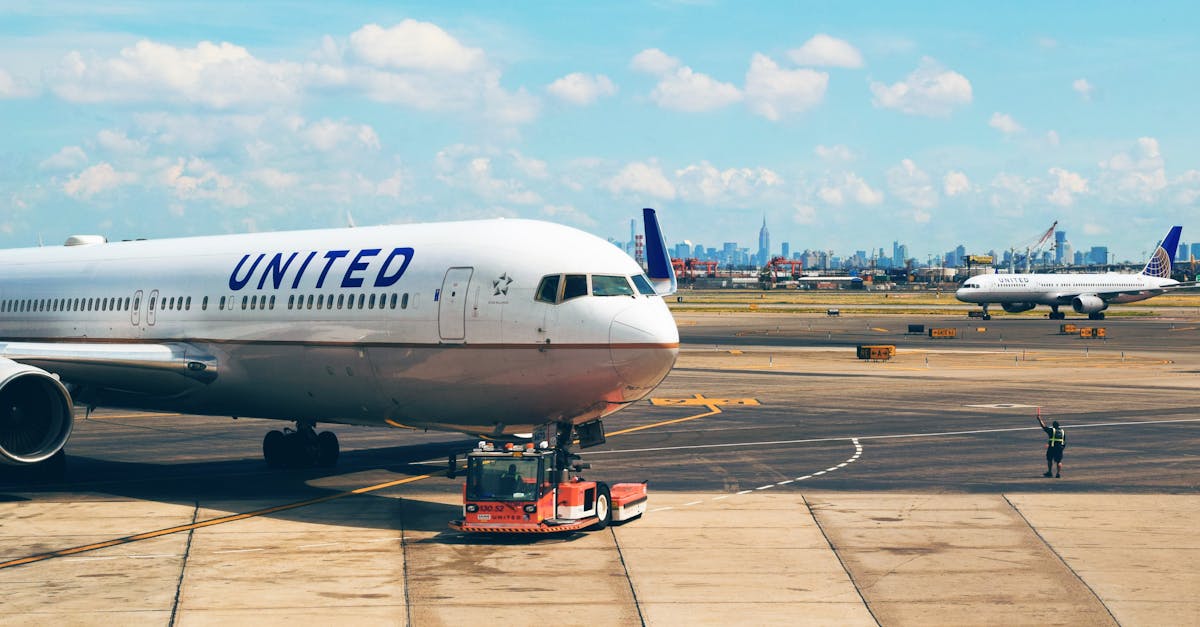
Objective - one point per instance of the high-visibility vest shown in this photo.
(1058, 437)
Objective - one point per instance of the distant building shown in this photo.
(1196, 251)
(1098, 255)
(764, 244)
(1060, 240)
(787, 250)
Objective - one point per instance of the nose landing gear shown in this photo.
(300, 447)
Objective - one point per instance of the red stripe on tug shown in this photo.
(528, 489)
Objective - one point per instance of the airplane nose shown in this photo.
(644, 342)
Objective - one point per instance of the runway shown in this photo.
(789, 481)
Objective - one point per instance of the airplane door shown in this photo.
(452, 304)
(135, 312)
(150, 304)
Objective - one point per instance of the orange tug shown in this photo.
(527, 489)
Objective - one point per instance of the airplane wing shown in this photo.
(155, 369)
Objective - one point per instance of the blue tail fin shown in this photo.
(658, 262)
(1162, 261)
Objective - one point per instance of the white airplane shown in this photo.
(492, 327)
(1085, 293)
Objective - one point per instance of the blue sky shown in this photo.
(847, 124)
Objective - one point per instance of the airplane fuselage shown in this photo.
(426, 325)
(1058, 289)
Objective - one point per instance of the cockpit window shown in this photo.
(643, 285)
(607, 285)
(547, 291)
(575, 286)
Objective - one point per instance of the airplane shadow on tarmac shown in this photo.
(226, 482)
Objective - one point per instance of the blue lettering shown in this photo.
(235, 283)
(383, 279)
(332, 256)
(303, 267)
(276, 268)
(357, 265)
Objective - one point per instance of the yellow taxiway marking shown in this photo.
(700, 399)
(711, 403)
(204, 523)
(879, 329)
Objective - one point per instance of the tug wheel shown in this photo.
(603, 506)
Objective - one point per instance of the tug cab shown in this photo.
(530, 489)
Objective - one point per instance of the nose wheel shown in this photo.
(301, 447)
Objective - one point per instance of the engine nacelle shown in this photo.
(1088, 304)
(36, 414)
(1017, 307)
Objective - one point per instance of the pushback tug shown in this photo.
(530, 489)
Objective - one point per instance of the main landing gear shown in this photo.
(300, 447)
(986, 315)
(1055, 314)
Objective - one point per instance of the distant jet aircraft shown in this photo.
(1085, 293)
(491, 327)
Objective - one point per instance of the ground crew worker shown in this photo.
(1054, 447)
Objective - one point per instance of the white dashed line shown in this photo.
(745, 492)
(765, 487)
(692, 503)
(662, 509)
(786, 482)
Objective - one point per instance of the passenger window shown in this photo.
(253, 304)
(371, 302)
(362, 298)
(394, 301)
(575, 286)
(245, 302)
(547, 291)
(310, 300)
(608, 285)
(404, 301)
(644, 287)
(203, 304)
(271, 303)
(222, 307)
(341, 297)
(188, 304)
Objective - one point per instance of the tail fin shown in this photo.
(1162, 261)
(658, 262)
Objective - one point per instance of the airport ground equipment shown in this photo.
(1093, 333)
(876, 352)
(1068, 329)
(943, 332)
(531, 489)
(916, 329)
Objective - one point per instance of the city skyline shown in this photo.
(840, 122)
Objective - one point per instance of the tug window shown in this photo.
(606, 285)
(547, 291)
(575, 286)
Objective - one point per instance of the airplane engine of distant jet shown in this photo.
(1017, 307)
(1088, 304)
(35, 414)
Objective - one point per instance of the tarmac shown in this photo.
(789, 482)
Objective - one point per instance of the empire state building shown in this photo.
(764, 243)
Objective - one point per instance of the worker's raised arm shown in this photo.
(1040, 421)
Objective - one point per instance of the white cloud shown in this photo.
(475, 169)
(197, 179)
(642, 178)
(1083, 88)
(823, 50)
(654, 61)
(773, 92)
(68, 158)
(13, 88)
(393, 185)
(837, 152)
(804, 214)
(582, 89)
(568, 213)
(97, 179)
(275, 179)
(328, 135)
(1010, 194)
(692, 92)
(1135, 177)
(1068, 186)
(413, 45)
(848, 187)
(213, 75)
(706, 184)
(929, 90)
(955, 183)
(1187, 188)
(533, 168)
(119, 143)
(912, 185)
(1004, 123)
(1052, 138)
(1091, 228)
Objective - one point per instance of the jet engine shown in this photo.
(1017, 307)
(36, 415)
(1088, 304)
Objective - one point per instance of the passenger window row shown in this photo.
(388, 300)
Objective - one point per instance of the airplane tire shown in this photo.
(274, 448)
(603, 506)
(327, 449)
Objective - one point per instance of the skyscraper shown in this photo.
(764, 243)
(1060, 240)
(787, 250)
